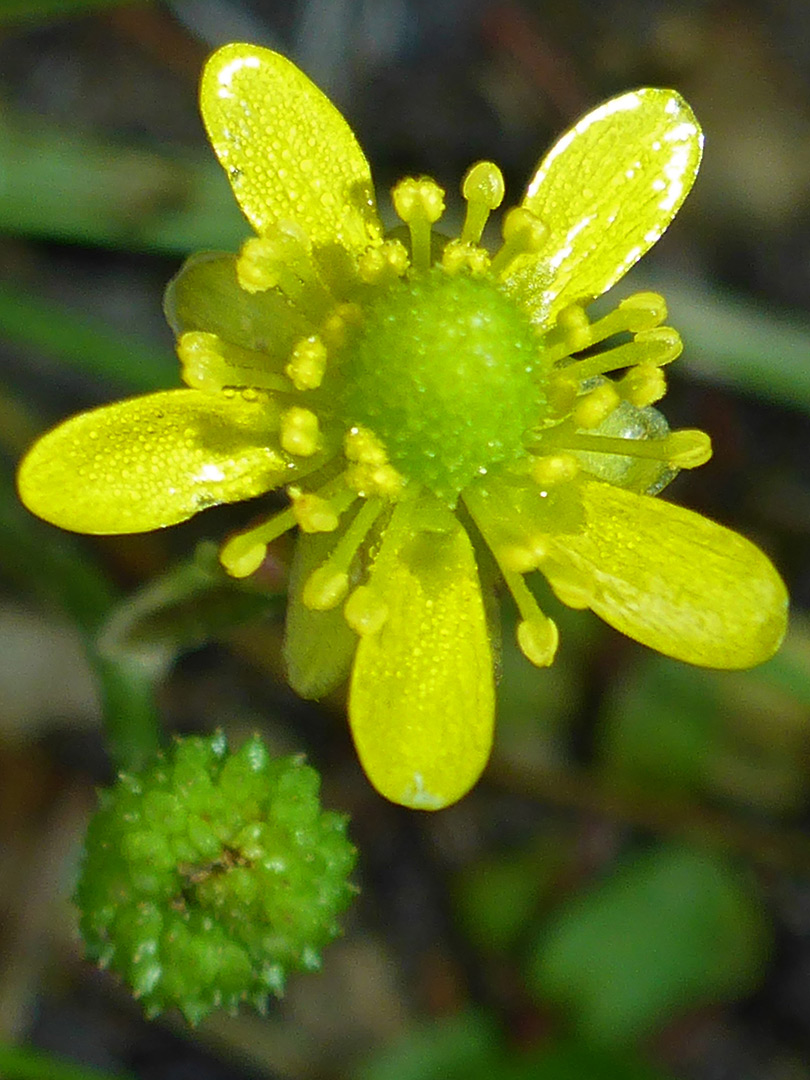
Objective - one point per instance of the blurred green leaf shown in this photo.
(496, 898)
(744, 736)
(20, 10)
(83, 343)
(670, 929)
(578, 1061)
(60, 184)
(189, 605)
(24, 1063)
(452, 1049)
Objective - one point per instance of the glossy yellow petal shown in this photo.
(606, 192)
(152, 461)
(676, 581)
(289, 154)
(422, 696)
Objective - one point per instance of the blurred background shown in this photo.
(626, 894)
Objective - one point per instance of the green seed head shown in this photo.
(443, 369)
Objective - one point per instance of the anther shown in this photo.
(595, 407)
(523, 234)
(420, 204)
(383, 263)
(282, 258)
(483, 188)
(244, 553)
(328, 584)
(637, 314)
(362, 445)
(307, 363)
(458, 255)
(688, 448)
(365, 611)
(335, 326)
(643, 385)
(208, 363)
(300, 432)
(554, 469)
(538, 639)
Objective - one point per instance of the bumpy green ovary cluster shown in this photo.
(443, 370)
(211, 875)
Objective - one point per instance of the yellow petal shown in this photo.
(607, 191)
(152, 461)
(289, 154)
(422, 697)
(318, 645)
(676, 581)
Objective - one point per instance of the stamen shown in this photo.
(282, 258)
(420, 204)
(639, 313)
(537, 635)
(685, 449)
(383, 263)
(300, 432)
(643, 385)
(317, 512)
(365, 611)
(370, 472)
(327, 586)
(659, 346)
(244, 553)
(210, 364)
(307, 363)
(483, 188)
(523, 234)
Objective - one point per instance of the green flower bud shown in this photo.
(211, 875)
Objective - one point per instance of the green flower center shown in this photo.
(443, 369)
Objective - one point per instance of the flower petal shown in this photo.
(607, 191)
(289, 154)
(676, 581)
(318, 645)
(422, 696)
(152, 461)
(205, 295)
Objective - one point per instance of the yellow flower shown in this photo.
(434, 411)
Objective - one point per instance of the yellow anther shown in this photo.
(383, 263)
(370, 480)
(660, 345)
(418, 198)
(312, 512)
(300, 432)
(483, 188)
(595, 406)
(458, 255)
(362, 445)
(688, 449)
(242, 555)
(643, 385)
(538, 639)
(575, 327)
(420, 204)
(643, 310)
(523, 233)
(335, 326)
(325, 588)
(307, 363)
(364, 611)
(554, 469)
(562, 392)
(256, 267)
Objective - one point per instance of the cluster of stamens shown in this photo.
(583, 417)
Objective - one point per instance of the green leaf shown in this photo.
(60, 184)
(25, 1063)
(452, 1049)
(668, 930)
